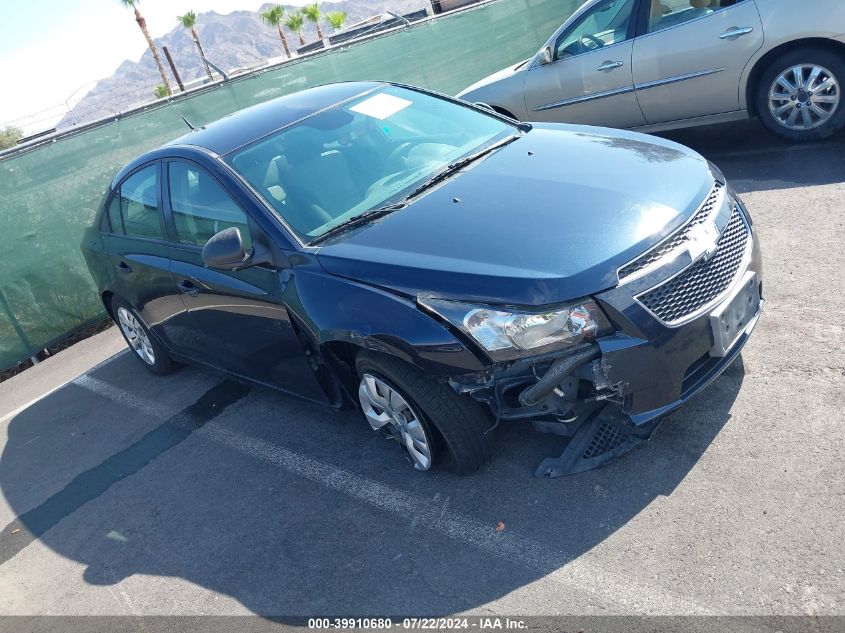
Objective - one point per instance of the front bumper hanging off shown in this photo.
(609, 395)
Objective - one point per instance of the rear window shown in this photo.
(134, 210)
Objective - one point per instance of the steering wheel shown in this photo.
(591, 42)
(400, 152)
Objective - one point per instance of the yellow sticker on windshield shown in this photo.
(381, 106)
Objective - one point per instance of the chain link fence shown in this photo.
(49, 192)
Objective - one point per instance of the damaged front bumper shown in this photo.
(610, 394)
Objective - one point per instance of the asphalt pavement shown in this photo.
(128, 494)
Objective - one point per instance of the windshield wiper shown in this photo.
(373, 214)
(455, 167)
(358, 220)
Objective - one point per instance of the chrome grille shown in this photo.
(675, 241)
(703, 282)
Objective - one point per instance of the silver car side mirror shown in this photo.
(546, 56)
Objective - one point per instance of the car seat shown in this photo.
(318, 183)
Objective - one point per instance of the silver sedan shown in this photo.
(662, 64)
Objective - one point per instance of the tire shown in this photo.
(459, 428)
(146, 349)
(833, 65)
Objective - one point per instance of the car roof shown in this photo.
(245, 126)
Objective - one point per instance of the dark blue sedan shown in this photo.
(444, 268)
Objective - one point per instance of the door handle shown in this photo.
(123, 267)
(608, 65)
(736, 32)
(187, 287)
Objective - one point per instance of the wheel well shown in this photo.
(107, 297)
(340, 356)
(763, 63)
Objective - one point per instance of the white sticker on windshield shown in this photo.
(381, 106)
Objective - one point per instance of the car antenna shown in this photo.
(192, 127)
(189, 124)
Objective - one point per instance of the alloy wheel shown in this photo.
(389, 412)
(804, 97)
(136, 335)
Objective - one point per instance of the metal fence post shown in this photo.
(15, 325)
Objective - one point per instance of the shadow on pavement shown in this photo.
(111, 486)
(756, 160)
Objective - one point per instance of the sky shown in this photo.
(53, 54)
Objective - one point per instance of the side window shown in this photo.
(608, 23)
(665, 14)
(115, 218)
(200, 206)
(134, 210)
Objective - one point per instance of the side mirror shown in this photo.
(546, 57)
(225, 251)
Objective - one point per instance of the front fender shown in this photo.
(505, 89)
(334, 309)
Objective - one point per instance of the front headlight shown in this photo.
(508, 334)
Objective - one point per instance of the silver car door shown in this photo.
(586, 74)
(689, 60)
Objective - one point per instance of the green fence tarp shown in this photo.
(49, 195)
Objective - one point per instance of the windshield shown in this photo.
(365, 154)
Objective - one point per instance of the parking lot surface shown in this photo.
(124, 493)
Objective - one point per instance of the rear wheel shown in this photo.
(799, 96)
(146, 349)
(428, 419)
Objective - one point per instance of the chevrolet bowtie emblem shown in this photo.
(703, 240)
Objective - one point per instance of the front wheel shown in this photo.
(799, 96)
(428, 419)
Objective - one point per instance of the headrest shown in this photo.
(302, 145)
(656, 9)
(208, 191)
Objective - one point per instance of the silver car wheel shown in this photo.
(136, 335)
(804, 97)
(388, 411)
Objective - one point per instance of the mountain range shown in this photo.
(233, 41)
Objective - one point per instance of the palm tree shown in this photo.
(275, 16)
(294, 22)
(9, 136)
(142, 24)
(312, 14)
(336, 18)
(189, 21)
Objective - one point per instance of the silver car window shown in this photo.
(605, 24)
(665, 14)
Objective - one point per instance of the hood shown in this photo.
(475, 89)
(547, 218)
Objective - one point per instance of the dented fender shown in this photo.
(340, 310)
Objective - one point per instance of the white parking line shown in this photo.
(8, 416)
(120, 396)
(610, 586)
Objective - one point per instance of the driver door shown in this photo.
(589, 77)
(237, 320)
